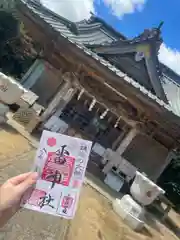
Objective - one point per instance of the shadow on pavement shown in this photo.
(169, 223)
(146, 232)
(152, 221)
(8, 128)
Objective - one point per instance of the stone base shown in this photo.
(131, 212)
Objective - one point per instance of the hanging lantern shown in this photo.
(80, 94)
(104, 114)
(92, 105)
(117, 122)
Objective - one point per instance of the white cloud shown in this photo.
(170, 57)
(122, 7)
(74, 10)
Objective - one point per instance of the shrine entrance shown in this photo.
(93, 122)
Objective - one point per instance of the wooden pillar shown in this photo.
(60, 100)
(121, 149)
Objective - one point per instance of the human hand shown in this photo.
(11, 193)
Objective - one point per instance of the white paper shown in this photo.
(61, 162)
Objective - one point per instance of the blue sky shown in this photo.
(153, 12)
(131, 17)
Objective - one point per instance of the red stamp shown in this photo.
(56, 172)
(51, 142)
(67, 202)
(35, 197)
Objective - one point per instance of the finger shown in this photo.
(28, 183)
(18, 179)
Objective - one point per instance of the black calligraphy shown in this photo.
(61, 154)
(55, 178)
(79, 168)
(42, 153)
(83, 151)
(83, 148)
(46, 201)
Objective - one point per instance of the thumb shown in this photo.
(26, 184)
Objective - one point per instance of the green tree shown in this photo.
(16, 49)
(9, 27)
(170, 180)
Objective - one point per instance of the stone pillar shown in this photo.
(64, 101)
(121, 149)
(60, 101)
(127, 140)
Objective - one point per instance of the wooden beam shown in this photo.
(104, 103)
(121, 49)
(110, 96)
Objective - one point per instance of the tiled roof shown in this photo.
(91, 32)
(84, 32)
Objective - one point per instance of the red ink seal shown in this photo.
(51, 142)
